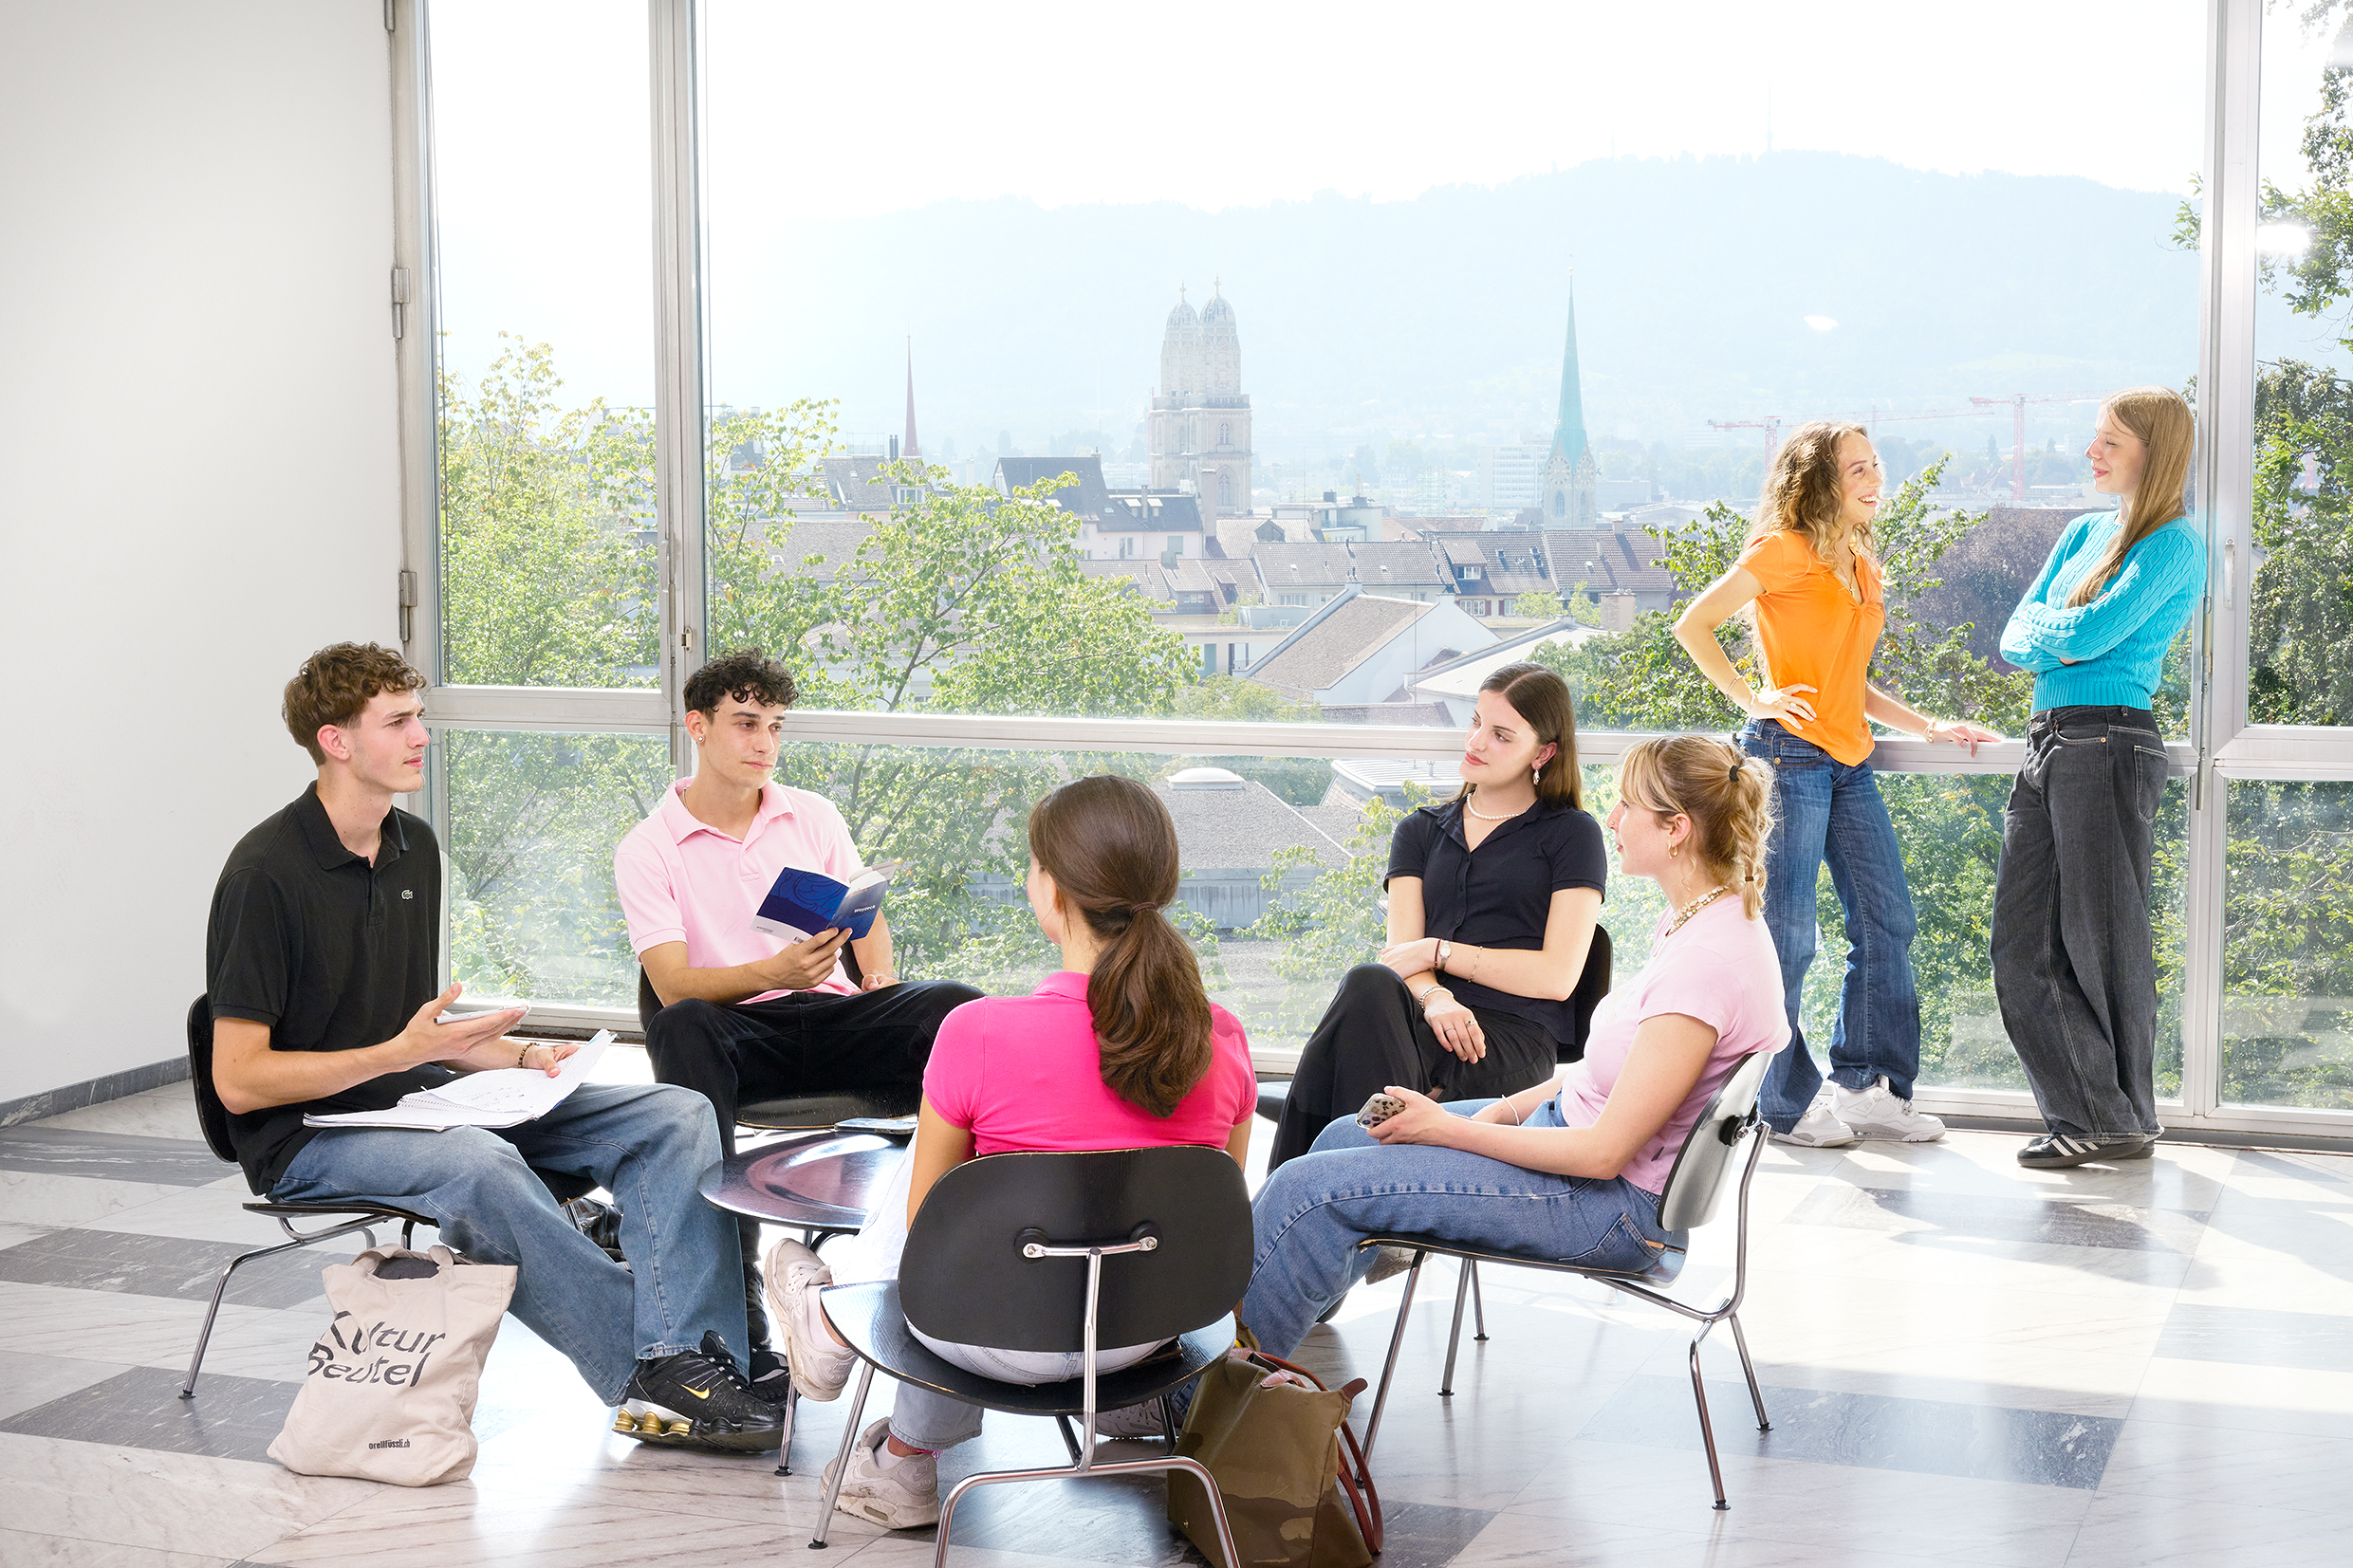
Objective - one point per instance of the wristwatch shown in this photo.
(1446, 951)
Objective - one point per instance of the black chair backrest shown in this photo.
(650, 1002)
(211, 1114)
(964, 1278)
(1592, 986)
(1704, 1165)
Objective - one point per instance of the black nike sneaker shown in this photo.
(697, 1400)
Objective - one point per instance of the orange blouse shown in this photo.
(1814, 632)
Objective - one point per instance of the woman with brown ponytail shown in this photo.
(1571, 1168)
(1122, 1048)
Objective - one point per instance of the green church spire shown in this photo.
(1568, 433)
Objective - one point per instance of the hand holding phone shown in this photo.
(1380, 1108)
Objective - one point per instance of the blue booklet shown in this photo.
(801, 903)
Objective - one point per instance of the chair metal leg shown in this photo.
(1454, 1336)
(221, 1286)
(784, 1444)
(1756, 1395)
(1388, 1368)
(1070, 1438)
(1706, 1428)
(1478, 1298)
(1137, 1467)
(1168, 1419)
(841, 1464)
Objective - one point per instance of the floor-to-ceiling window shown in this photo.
(1219, 403)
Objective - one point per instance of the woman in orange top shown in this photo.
(1811, 574)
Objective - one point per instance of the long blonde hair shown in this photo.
(1802, 492)
(1727, 794)
(2161, 420)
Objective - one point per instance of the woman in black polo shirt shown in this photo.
(1492, 900)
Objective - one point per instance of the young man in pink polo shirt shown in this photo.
(743, 1016)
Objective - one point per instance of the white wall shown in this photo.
(198, 439)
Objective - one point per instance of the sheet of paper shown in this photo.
(509, 1091)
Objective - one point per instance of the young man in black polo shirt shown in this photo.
(319, 967)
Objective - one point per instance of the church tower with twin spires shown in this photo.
(1566, 486)
(1200, 419)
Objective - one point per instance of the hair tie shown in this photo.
(1141, 909)
(1733, 777)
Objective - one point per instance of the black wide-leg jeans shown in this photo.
(2074, 965)
(1372, 1036)
(807, 1043)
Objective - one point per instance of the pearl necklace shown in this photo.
(1487, 817)
(1696, 905)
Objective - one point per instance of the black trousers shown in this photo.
(2074, 965)
(804, 1043)
(1373, 1036)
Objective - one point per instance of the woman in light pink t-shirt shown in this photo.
(1121, 1049)
(1571, 1168)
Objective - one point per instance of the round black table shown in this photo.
(820, 1184)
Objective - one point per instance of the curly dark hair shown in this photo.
(744, 674)
(335, 684)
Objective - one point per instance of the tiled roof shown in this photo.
(1150, 580)
(1013, 473)
(1219, 829)
(858, 484)
(1393, 564)
(1288, 565)
(1149, 511)
(1621, 562)
(1344, 637)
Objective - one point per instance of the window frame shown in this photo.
(2222, 746)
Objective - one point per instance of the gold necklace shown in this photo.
(1696, 905)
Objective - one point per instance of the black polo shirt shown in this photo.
(1500, 895)
(329, 951)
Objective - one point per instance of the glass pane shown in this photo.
(1407, 398)
(533, 822)
(2287, 945)
(2300, 612)
(543, 197)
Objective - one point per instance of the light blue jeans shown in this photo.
(645, 1144)
(1311, 1213)
(1826, 810)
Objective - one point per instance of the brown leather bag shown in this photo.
(1283, 1459)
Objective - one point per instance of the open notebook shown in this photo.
(503, 1097)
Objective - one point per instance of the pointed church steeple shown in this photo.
(1568, 472)
(909, 450)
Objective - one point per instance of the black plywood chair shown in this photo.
(343, 1216)
(1059, 1252)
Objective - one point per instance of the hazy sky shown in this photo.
(820, 113)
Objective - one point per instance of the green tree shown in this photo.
(1543, 604)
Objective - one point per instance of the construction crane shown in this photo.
(1770, 425)
(2018, 402)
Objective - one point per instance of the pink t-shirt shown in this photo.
(682, 880)
(1024, 1075)
(1721, 969)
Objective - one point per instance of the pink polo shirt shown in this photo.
(1024, 1075)
(682, 880)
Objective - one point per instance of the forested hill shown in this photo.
(1444, 313)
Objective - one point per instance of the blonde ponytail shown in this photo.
(1727, 794)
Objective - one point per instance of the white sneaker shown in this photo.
(1875, 1113)
(1132, 1421)
(793, 1276)
(904, 1497)
(1819, 1128)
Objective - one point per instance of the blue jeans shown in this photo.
(1310, 1215)
(1825, 809)
(646, 1145)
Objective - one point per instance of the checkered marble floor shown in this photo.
(1965, 1363)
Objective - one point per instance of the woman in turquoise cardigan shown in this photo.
(2074, 968)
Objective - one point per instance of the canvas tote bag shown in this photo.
(1284, 1458)
(390, 1389)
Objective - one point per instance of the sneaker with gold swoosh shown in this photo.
(697, 1400)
